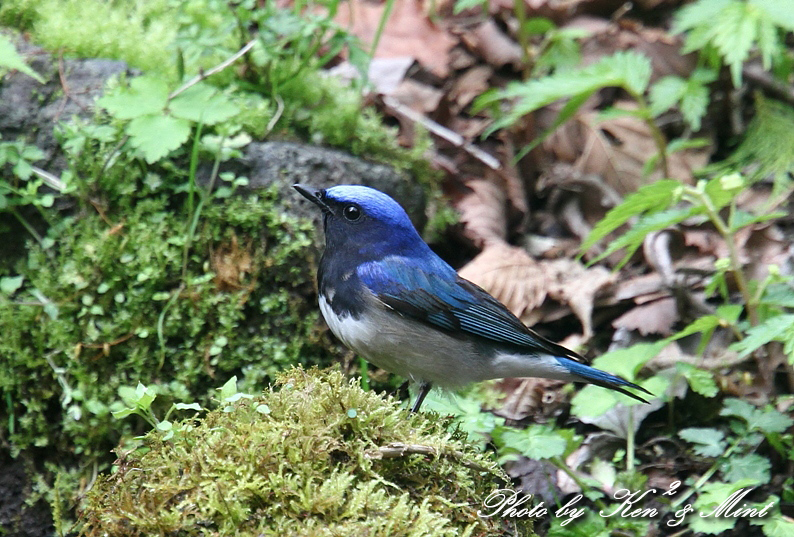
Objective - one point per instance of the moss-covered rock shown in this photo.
(128, 300)
(318, 456)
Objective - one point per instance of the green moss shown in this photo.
(137, 31)
(301, 460)
(125, 314)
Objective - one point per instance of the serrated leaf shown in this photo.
(694, 103)
(156, 136)
(535, 442)
(777, 526)
(654, 196)
(10, 58)
(629, 70)
(750, 466)
(766, 420)
(777, 328)
(700, 381)
(666, 93)
(203, 104)
(147, 95)
(634, 237)
(708, 442)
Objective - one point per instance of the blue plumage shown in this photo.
(389, 297)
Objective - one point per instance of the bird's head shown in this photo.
(363, 219)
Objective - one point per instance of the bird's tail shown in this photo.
(602, 378)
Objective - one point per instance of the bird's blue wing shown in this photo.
(431, 291)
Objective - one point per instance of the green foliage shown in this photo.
(628, 70)
(311, 458)
(118, 313)
(690, 95)
(767, 146)
(11, 60)
(160, 123)
(736, 462)
(733, 29)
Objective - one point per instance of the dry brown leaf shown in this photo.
(492, 45)
(509, 275)
(618, 149)
(231, 263)
(469, 85)
(533, 397)
(608, 37)
(657, 317)
(573, 284)
(420, 97)
(408, 32)
(482, 212)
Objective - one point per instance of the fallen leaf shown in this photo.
(482, 212)
(657, 317)
(492, 45)
(408, 32)
(532, 397)
(617, 149)
(576, 286)
(509, 275)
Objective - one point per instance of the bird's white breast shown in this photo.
(354, 333)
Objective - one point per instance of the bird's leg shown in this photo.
(424, 389)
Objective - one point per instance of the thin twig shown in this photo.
(394, 450)
(220, 67)
(442, 132)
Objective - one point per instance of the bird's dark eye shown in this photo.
(351, 213)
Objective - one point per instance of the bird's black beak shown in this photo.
(314, 196)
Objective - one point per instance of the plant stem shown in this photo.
(656, 133)
(736, 264)
(630, 440)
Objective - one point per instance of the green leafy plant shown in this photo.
(737, 463)
(730, 31)
(629, 71)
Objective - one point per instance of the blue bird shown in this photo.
(387, 296)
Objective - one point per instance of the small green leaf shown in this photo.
(777, 328)
(203, 104)
(187, 406)
(156, 136)
(10, 284)
(750, 466)
(10, 58)
(709, 442)
(228, 389)
(535, 442)
(165, 426)
(652, 197)
(123, 413)
(147, 95)
(766, 420)
(666, 93)
(699, 380)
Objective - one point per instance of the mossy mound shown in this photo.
(127, 305)
(318, 456)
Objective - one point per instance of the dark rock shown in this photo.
(287, 163)
(31, 110)
(16, 517)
